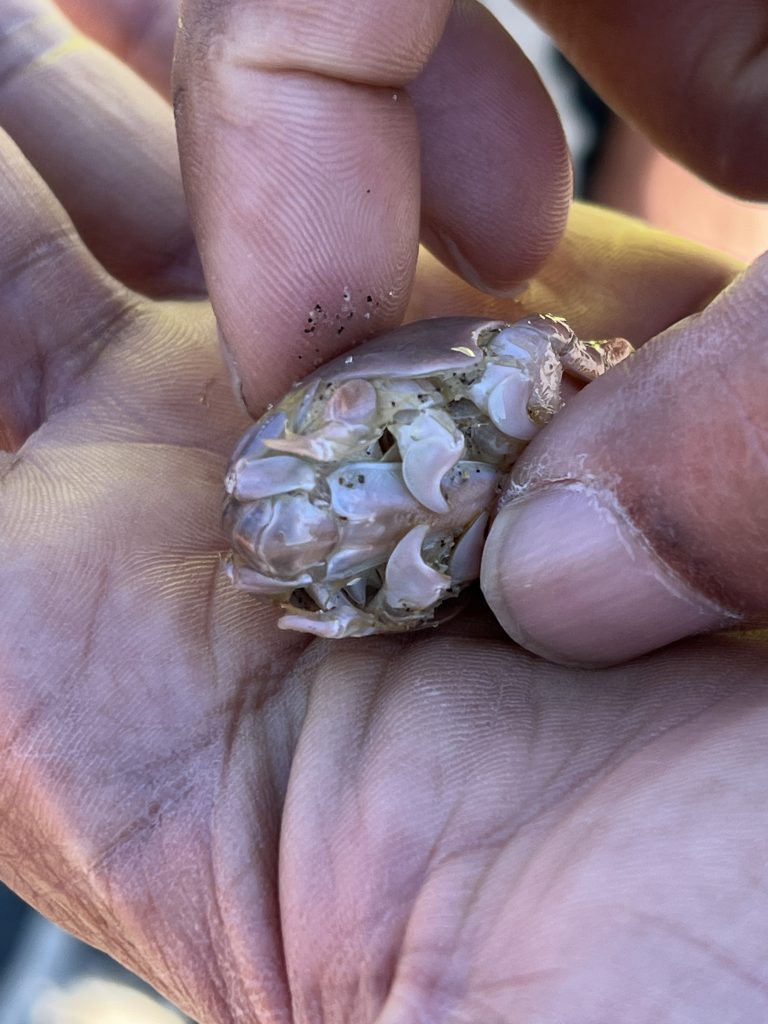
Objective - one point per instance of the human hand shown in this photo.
(437, 826)
(432, 827)
(319, 140)
(287, 117)
(392, 829)
(142, 237)
(656, 528)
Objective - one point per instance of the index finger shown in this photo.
(301, 155)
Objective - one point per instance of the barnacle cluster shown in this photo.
(360, 502)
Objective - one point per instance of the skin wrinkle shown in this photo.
(162, 943)
(753, 428)
(724, 704)
(226, 994)
(50, 255)
(308, 994)
(347, 41)
(722, 960)
(25, 726)
(50, 248)
(50, 884)
(247, 699)
(267, 697)
(164, 962)
(438, 990)
(216, 1001)
(18, 425)
(105, 330)
(133, 835)
(208, 625)
(234, 966)
(426, 869)
(585, 843)
(443, 1000)
(657, 732)
(496, 847)
(101, 590)
(432, 989)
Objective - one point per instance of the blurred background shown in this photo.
(48, 977)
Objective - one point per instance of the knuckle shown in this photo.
(346, 39)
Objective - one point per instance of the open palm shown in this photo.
(438, 827)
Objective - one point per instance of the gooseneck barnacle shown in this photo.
(360, 502)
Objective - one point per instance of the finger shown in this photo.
(639, 515)
(139, 32)
(59, 308)
(300, 155)
(496, 179)
(693, 75)
(104, 142)
(610, 276)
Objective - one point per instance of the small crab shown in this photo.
(361, 501)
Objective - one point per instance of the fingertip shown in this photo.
(570, 579)
(305, 208)
(496, 174)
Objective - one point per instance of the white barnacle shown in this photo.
(409, 581)
(467, 552)
(360, 503)
(361, 491)
(503, 392)
(430, 444)
(250, 479)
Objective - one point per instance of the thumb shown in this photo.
(640, 515)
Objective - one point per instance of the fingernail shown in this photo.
(567, 578)
(453, 254)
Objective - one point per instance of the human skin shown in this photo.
(266, 828)
(335, 136)
(436, 827)
(260, 88)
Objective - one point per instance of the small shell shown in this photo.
(360, 501)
